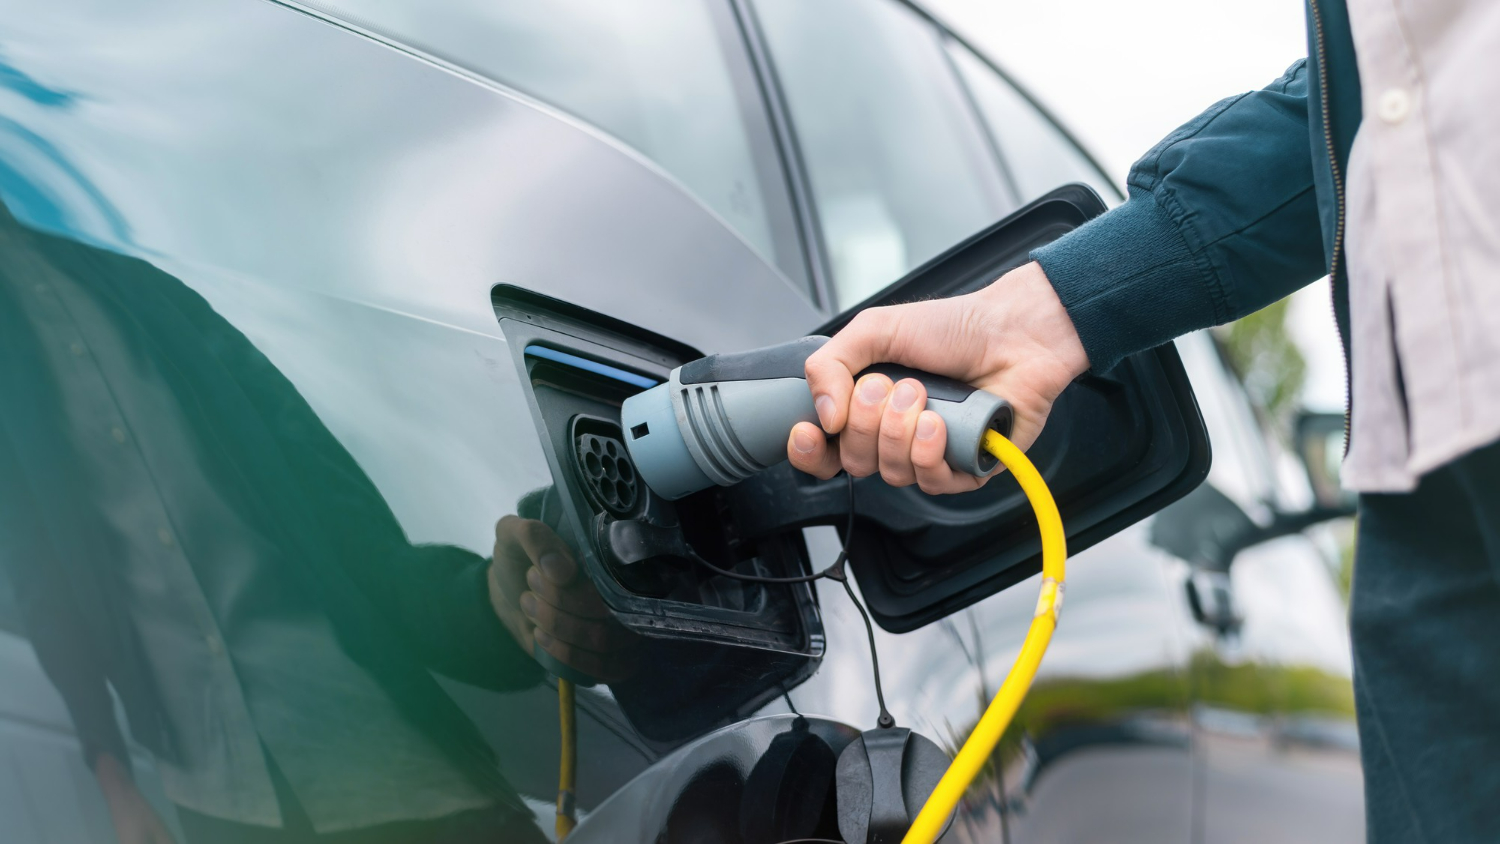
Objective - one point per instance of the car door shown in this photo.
(337, 198)
(1271, 670)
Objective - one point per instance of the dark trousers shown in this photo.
(1425, 616)
(494, 825)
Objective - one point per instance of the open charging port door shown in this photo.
(746, 642)
(1117, 447)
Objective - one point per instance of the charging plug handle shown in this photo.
(723, 418)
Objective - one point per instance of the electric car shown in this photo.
(434, 225)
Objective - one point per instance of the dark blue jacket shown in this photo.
(1236, 209)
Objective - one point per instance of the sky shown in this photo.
(1121, 75)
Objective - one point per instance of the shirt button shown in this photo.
(166, 537)
(215, 644)
(1394, 105)
(77, 349)
(118, 434)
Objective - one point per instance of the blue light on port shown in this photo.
(591, 366)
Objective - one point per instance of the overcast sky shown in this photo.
(1121, 75)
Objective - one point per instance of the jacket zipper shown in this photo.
(1338, 193)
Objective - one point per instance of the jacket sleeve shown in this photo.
(1221, 221)
(441, 594)
(50, 617)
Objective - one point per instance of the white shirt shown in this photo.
(1423, 238)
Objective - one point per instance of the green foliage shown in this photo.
(1268, 689)
(1263, 355)
(1255, 688)
(1346, 562)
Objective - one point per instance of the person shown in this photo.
(1374, 161)
(177, 524)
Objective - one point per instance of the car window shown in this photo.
(899, 166)
(1242, 467)
(1038, 156)
(669, 78)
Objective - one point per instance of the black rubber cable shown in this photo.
(838, 565)
(834, 572)
(885, 721)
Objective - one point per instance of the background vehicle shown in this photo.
(346, 182)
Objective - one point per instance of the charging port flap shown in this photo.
(1117, 448)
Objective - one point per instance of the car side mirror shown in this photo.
(1320, 443)
(1208, 530)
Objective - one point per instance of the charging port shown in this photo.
(609, 478)
(641, 551)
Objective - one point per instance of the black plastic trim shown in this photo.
(783, 361)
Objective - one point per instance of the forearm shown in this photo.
(1221, 221)
(445, 608)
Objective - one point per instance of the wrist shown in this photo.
(1035, 310)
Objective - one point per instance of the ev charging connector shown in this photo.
(723, 418)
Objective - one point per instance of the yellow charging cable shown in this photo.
(567, 768)
(981, 743)
(997, 717)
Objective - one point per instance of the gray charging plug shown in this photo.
(723, 418)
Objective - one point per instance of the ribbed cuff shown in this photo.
(1129, 281)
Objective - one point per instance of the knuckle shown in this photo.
(894, 435)
(821, 361)
(862, 322)
(869, 319)
(821, 469)
(927, 458)
(862, 425)
(549, 593)
(896, 477)
(526, 529)
(861, 462)
(545, 615)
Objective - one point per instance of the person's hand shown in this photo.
(545, 602)
(134, 819)
(1013, 338)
